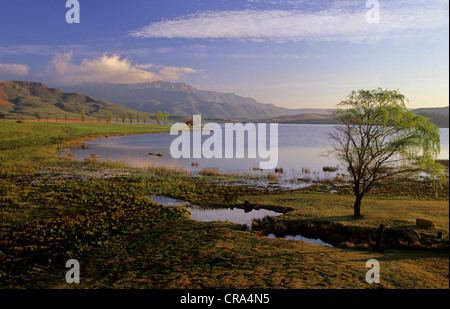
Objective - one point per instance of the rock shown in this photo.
(425, 223)
(247, 206)
(411, 235)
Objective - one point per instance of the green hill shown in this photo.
(23, 99)
(437, 115)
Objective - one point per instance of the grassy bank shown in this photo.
(24, 147)
(18, 135)
(101, 214)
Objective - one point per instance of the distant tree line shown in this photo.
(124, 116)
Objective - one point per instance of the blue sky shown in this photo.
(292, 53)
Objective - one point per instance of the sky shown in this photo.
(291, 53)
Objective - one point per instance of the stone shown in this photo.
(411, 235)
(425, 223)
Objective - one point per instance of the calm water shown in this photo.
(235, 215)
(305, 239)
(300, 151)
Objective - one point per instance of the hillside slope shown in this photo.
(437, 115)
(23, 99)
(180, 99)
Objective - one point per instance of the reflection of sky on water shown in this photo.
(299, 146)
(236, 215)
(444, 144)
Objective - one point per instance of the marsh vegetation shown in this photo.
(102, 213)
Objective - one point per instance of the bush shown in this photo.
(330, 168)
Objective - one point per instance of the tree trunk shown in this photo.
(380, 237)
(357, 206)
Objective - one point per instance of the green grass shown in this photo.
(321, 207)
(24, 147)
(196, 255)
(17, 135)
(100, 213)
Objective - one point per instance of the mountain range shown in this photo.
(23, 99)
(180, 99)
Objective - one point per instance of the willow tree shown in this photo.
(377, 137)
(159, 117)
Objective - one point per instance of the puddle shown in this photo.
(235, 215)
(167, 201)
(300, 237)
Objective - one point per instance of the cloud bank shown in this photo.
(110, 69)
(13, 69)
(345, 22)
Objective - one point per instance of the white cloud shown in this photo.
(13, 69)
(342, 21)
(174, 73)
(109, 68)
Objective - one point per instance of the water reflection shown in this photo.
(305, 239)
(235, 215)
(301, 151)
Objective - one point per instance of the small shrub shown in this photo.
(210, 172)
(272, 177)
(280, 228)
(330, 168)
(346, 244)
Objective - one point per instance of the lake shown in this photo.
(301, 151)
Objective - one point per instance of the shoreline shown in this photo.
(98, 212)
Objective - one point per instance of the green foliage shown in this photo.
(145, 118)
(108, 115)
(159, 117)
(162, 117)
(99, 211)
(123, 115)
(131, 116)
(377, 137)
(38, 116)
(165, 117)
